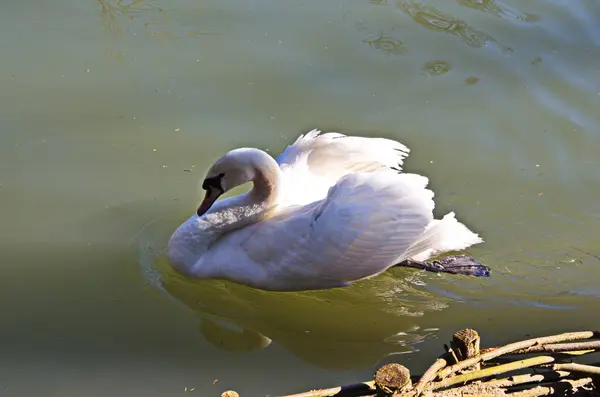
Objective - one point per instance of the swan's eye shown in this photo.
(213, 182)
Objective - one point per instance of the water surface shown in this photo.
(111, 111)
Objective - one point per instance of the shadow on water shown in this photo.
(345, 328)
(338, 329)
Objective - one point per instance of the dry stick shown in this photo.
(354, 390)
(450, 353)
(429, 375)
(560, 356)
(563, 385)
(527, 378)
(560, 347)
(440, 363)
(498, 384)
(498, 369)
(574, 367)
(515, 346)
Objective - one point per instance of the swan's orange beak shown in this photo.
(212, 194)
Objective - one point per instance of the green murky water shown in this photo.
(110, 111)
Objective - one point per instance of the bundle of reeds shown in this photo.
(543, 366)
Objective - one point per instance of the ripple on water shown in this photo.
(498, 9)
(431, 18)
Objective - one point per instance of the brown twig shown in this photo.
(574, 367)
(429, 375)
(560, 347)
(549, 376)
(558, 388)
(569, 336)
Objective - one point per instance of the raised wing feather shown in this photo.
(367, 222)
(316, 161)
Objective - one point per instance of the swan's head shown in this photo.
(233, 169)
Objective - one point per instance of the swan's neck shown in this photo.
(193, 239)
(245, 209)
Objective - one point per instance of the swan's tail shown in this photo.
(442, 235)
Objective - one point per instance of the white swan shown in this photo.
(331, 210)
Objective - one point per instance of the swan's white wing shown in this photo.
(316, 161)
(367, 223)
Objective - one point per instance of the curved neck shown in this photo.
(245, 209)
(195, 237)
(266, 183)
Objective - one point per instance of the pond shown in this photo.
(112, 110)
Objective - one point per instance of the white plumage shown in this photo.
(331, 210)
(320, 160)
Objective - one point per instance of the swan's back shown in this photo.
(316, 161)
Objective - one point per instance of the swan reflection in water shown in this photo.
(346, 328)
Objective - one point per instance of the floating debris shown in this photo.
(437, 67)
(388, 45)
(536, 60)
